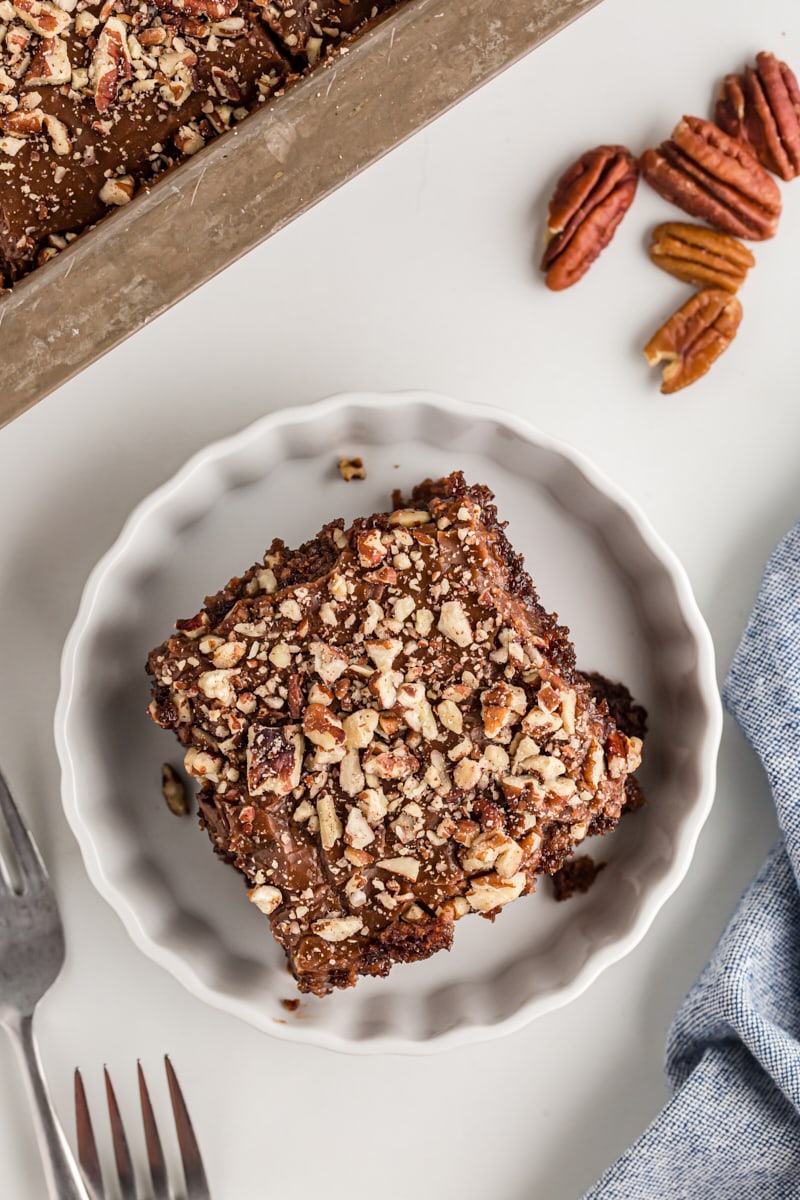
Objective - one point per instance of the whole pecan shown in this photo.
(704, 257)
(762, 109)
(713, 176)
(590, 200)
(694, 337)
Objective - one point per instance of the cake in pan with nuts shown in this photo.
(390, 733)
(98, 98)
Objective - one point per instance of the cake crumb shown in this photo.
(291, 1005)
(352, 468)
(577, 875)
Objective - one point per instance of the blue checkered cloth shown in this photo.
(732, 1128)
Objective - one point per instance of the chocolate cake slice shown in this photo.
(389, 733)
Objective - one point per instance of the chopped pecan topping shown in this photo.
(226, 85)
(118, 190)
(432, 747)
(265, 898)
(352, 468)
(58, 134)
(111, 63)
(214, 10)
(323, 728)
(490, 892)
(710, 175)
(390, 764)
(690, 342)
(502, 706)
(590, 200)
(274, 759)
(42, 17)
(50, 64)
(23, 123)
(704, 257)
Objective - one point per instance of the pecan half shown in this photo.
(694, 337)
(704, 257)
(762, 109)
(711, 175)
(590, 200)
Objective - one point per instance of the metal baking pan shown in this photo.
(408, 69)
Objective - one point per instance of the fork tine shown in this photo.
(194, 1173)
(122, 1155)
(87, 1146)
(155, 1154)
(28, 857)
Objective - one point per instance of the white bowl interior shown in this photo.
(592, 559)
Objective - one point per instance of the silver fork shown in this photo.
(194, 1175)
(31, 956)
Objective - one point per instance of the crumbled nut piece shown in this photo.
(357, 831)
(454, 623)
(351, 776)
(409, 518)
(359, 728)
(323, 727)
(329, 663)
(450, 716)
(453, 910)
(111, 63)
(373, 805)
(265, 898)
(409, 867)
(274, 759)
(337, 929)
(352, 468)
(202, 764)
(189, 140)
(466, 774)
(218, 685)
(118, 190)
(501, 707)
(42, 17)
(330, 827)
(390, 764)
(371, 550)
(50, 64)
(490, 891)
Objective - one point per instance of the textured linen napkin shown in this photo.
(732, 1129)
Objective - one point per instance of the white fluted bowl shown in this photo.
(594, 559)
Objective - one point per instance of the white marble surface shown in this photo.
(419, 274)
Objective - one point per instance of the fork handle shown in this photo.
(64, 1181)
